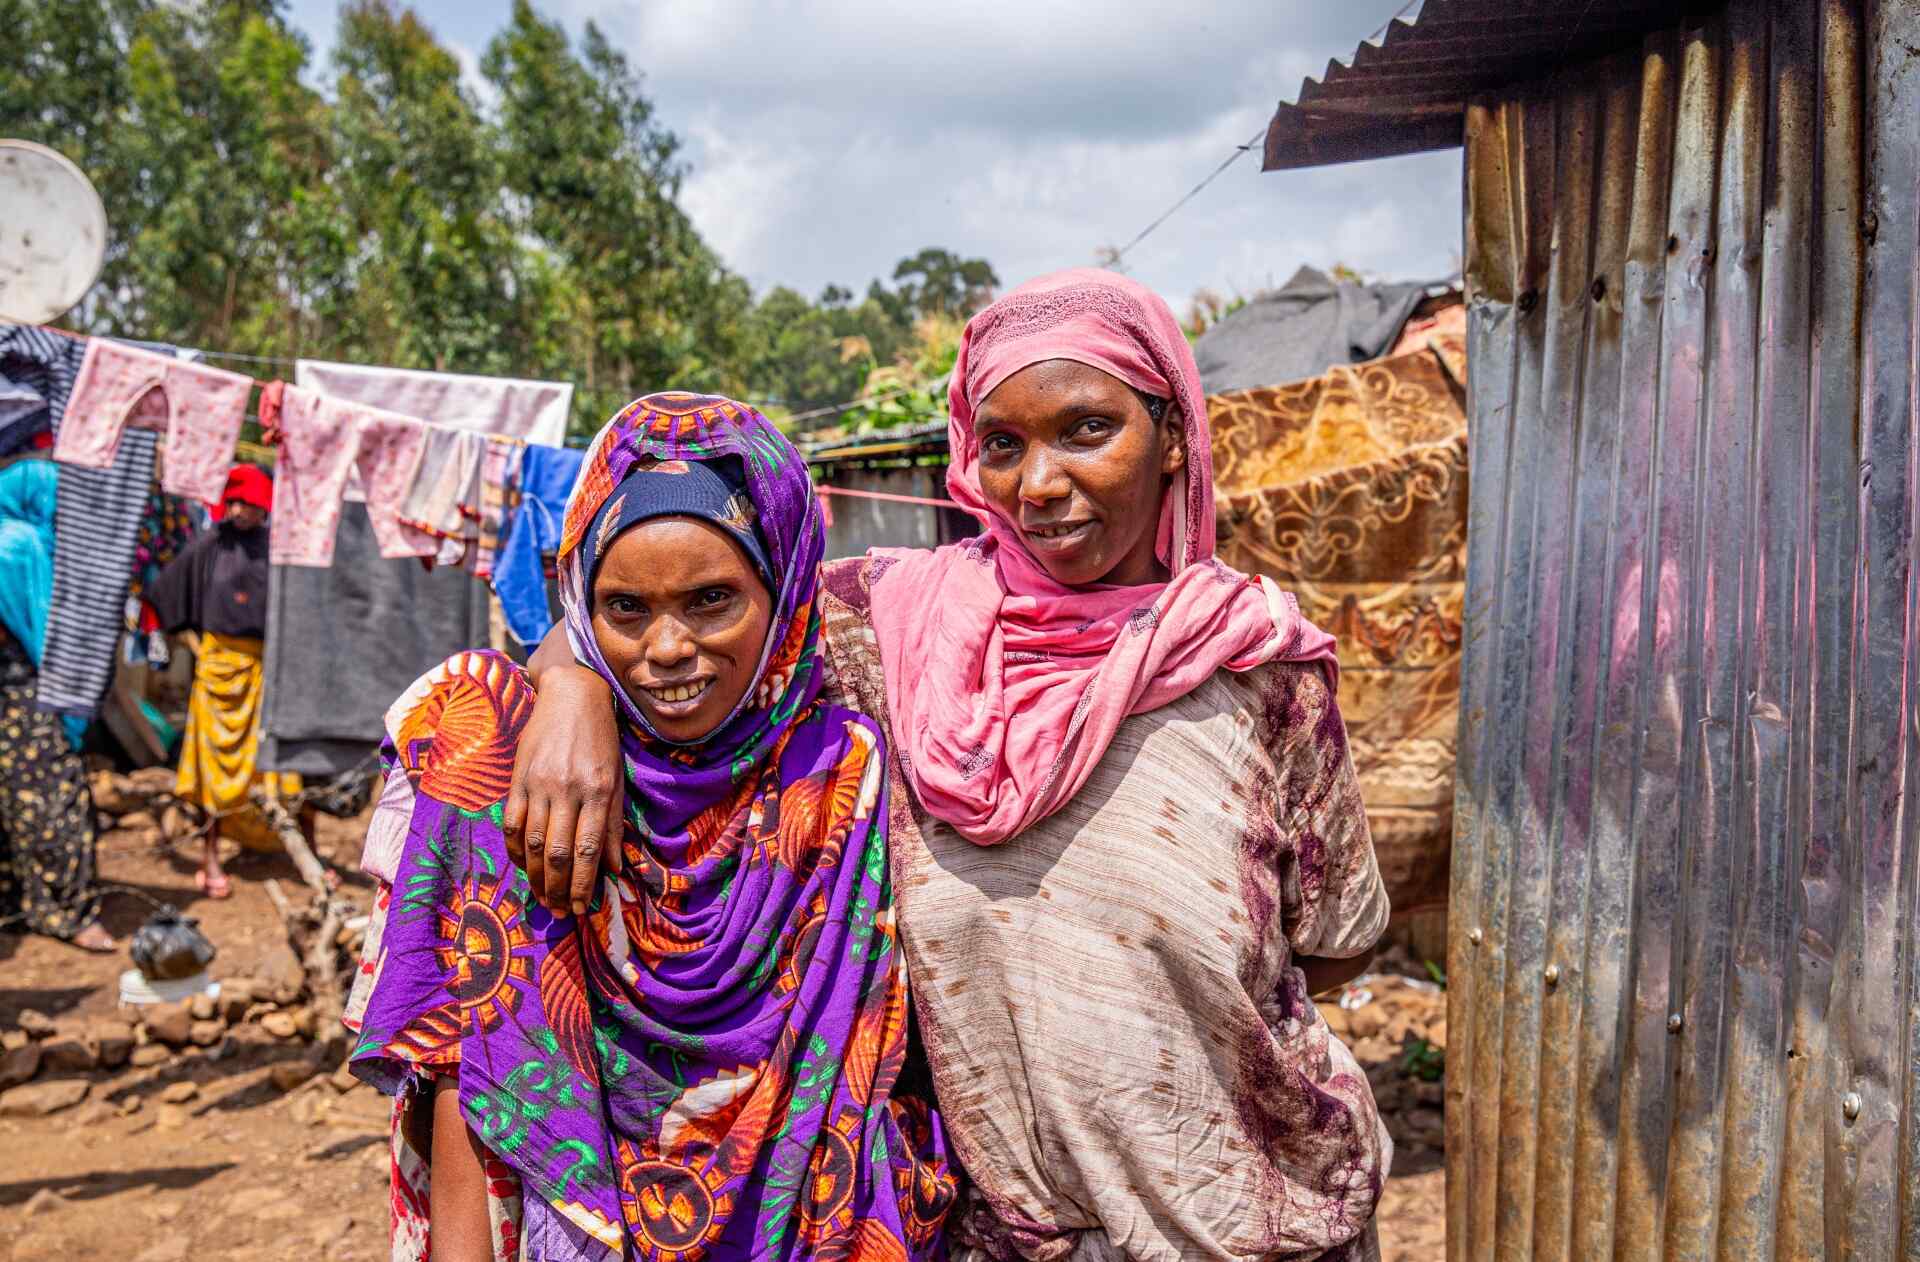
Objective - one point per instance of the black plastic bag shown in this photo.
(169, 947)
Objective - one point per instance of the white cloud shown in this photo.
(829, 138)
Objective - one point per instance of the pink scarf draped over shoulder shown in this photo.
(1005, 688)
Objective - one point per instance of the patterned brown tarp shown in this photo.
(1350, 490)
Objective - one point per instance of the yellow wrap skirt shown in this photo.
(223, 740)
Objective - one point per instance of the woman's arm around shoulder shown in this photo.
(563, 820)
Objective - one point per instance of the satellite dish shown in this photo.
(53, 233)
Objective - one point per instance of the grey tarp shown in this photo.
(1299, 331)
(344, 641)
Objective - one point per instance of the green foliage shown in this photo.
(1425, 1061)
(398, 219)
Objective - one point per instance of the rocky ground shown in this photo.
(224, 1131)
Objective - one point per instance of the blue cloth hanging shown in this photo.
(547, 475)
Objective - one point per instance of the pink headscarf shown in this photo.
(1005, 688)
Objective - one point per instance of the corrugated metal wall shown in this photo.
(1683, 1005)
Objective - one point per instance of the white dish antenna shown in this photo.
(53, 233)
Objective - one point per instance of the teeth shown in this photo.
(683, 692)
(1055, 532)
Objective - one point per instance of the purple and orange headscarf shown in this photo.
(1005, 687)
(707, 1064)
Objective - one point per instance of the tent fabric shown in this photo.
(1349, 489)
(1308, 325)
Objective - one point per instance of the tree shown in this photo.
(938, 282)
(595, 180)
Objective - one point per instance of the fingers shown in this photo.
(536, 847)
(616, 832)
(562, 823)
(589, 846)
(513, 822)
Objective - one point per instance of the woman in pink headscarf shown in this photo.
(1130, 844)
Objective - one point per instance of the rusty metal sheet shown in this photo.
(1685, 1003)
(1409, 92)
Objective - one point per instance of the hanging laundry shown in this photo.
(343, 642)
(536, 411)
(444, 499)
(324, 439)
(547, 475)
(499, 497)
(122, 387)
(96, 524)
(40, 367)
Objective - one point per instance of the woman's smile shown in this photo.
(679, 698)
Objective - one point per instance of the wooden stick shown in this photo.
(312, 871)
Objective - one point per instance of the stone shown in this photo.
(206, 1033)
(171, 1023)
(130, 1105)
(1430, 1093)
(1365, 1021)
(177, 823)
(1437, 1033)
(281, 1025)
(151, 782)
(69, 1054)
(40, 1099)
(139, 822)
(203, 1006)
(180, 1092)
(113, 794)
(285, 980)
(171, 1117)
(19, 1065)
(236, 996)
(343, 1080)
(113, 1038)
(37, 1024)
(94, 1113)
(13, 1040)
(303, 1021)
(45, 1201)
(289, 1074)
(148, 1055)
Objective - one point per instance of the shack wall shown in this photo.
(1683, 1001)
(858, 523)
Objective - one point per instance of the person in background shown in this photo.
(216, 591)
(46, 808)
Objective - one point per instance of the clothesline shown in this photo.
(833, 409)
(849, 493)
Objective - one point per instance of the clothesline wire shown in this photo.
(1192, 193)
(1234, 157)
(830, 410)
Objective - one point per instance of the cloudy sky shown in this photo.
(829, 138)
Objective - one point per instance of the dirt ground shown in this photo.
(202, 1157)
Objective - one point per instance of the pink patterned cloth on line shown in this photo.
(200, 409)
(1006, 687)
(322, 440)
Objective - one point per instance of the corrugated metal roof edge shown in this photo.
(1408, 91)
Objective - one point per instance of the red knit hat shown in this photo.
(250, 485)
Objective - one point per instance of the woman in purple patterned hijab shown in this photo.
(703, 1060)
